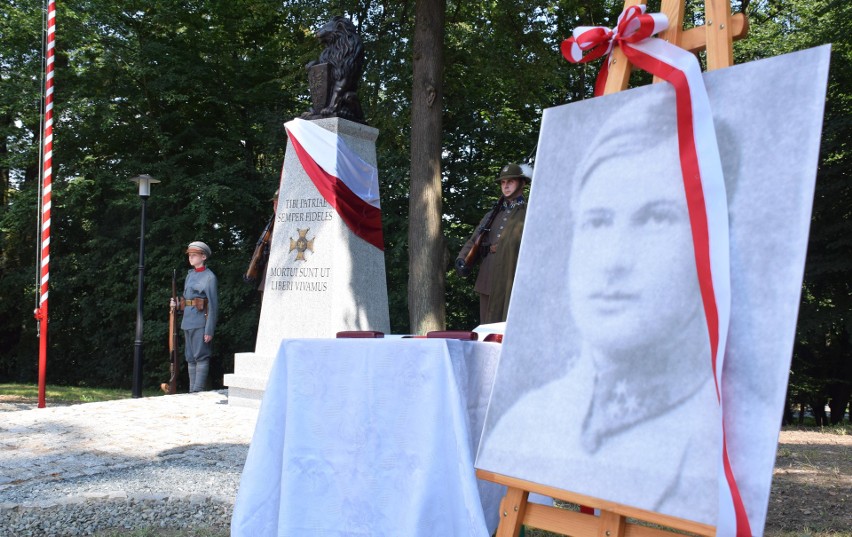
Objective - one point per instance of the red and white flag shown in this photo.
(345, 180)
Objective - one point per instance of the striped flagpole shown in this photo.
(46, 180)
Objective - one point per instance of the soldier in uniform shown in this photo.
(200, 304)
(499, 247)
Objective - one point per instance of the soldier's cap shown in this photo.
(513, 171)
(199, 247)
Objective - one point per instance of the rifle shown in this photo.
(261, 253)
(465, 265)
(173, 339)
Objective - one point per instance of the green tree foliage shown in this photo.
(20, 79)
(196, 92)
(503, 68)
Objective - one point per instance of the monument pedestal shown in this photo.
(321, 278)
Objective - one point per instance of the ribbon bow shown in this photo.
(591, 42)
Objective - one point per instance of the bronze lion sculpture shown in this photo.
(334, 77)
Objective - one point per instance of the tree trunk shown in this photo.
(4, 171)
(426, 268)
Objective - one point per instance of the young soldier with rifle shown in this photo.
(200, 306)
(495, 243)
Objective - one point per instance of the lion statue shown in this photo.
(334, 77)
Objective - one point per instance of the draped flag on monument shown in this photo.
(703, 184)
(345, 180)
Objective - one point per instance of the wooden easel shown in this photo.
(515, 511)
(716, 37)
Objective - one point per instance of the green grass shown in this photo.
(841, 429)
(69, 394)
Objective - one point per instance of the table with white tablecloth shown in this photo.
(370, 437)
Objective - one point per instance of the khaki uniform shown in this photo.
(500, 248)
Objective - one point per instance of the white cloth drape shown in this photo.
(359, 437)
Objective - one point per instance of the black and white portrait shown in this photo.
(605, 385)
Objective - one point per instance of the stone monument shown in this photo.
(322, 277)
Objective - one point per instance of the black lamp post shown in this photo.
(144, 182)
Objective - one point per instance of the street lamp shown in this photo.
(144, 181)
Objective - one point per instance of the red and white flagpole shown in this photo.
(45, 189)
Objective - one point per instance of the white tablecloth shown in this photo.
(370, 437)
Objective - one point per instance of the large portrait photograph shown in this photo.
(605, 385)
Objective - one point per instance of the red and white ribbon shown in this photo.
(591, 42)
(345, 180)
(704, 187)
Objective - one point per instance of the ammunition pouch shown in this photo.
(198, 303)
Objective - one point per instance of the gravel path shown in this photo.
(169, 461)
(175, 462)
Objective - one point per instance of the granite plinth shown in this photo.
(321, 278)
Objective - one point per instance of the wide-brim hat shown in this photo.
(199, 247)
(513, 171)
